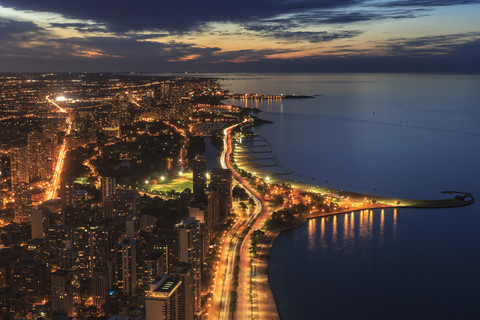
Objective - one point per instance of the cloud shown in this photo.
(427, 45)
(428, 3)
(123, 15)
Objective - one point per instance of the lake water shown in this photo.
(396, 135)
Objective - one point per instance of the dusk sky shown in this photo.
(248, 35)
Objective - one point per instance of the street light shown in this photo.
(146, 181)
(162, 178)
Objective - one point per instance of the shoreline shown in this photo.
(265, 304)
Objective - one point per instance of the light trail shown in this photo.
(222, 303)
(51, 191)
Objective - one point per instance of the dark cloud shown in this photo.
(311, 36)
(16, 30)
(284, 32)
(428, 3)
(127, 15)
(427, 45)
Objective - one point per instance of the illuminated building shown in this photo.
(108, 185)
(99, 249)
(62, 294)
(30, 277)
(154, 264)
(129, 266)
(19, 165)
(100, 285)
(200, 213)
(222, 181)
(190, 251)
(37, 157)
(213, 196)
(23, 201)
(119, 206)
(68, 257)
(183, 271)
(162, 302)
(199, 178)
(67, 194)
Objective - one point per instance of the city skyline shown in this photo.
(265, 36)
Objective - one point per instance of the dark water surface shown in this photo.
(395, 135)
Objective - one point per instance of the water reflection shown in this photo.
(339, 231)
(334, 231)
(312, 244)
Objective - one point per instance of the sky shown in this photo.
(240, 36)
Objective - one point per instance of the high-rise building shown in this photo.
(213, 209)
(31, 278)
(199, 178)
(183, 271)
(200, 213)
(162, 301)
(131, 227)
(19, 165)
(100, 285)
(68, 257)
(67, 194)
(190, 251)
(36, 224)
(129, 266)
(154, 264)
(108, 187)
(184, 202)
(62, 293)
(37, 156)
(118, 206)
(221, 180)
(23, 201)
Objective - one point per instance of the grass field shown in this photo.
(178, 184)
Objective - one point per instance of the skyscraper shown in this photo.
(67, 194)
(62, 293)
(183, 271)
(36, 223)
(19, 165)
(100, 285)
(190, 251)
(199, 178)
(37, 156)
(222, 181)
(162, 301)
(129, 266)
(23, 201)
(108, 187)
(154, 264)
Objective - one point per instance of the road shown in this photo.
(233, 246)
(51, 191)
